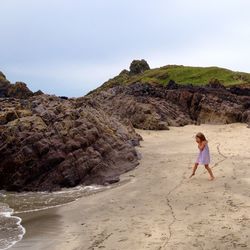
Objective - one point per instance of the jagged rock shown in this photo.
(39, 92)
(216, 84)
(172, 85)
(138, 67)
(4, 85)
(64, 97)
(243, 91)
(47, 143)
(124, 72)
(17, 90)
(150, 106)
(2, 75)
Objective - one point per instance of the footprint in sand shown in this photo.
(123, 239)
(147, 234)
(227, 187)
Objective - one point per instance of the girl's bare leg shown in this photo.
(209, 170)
(194, 169)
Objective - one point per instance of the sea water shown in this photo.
(12, 204)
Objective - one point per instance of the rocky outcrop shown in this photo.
(138, 67)
(47, 142)
(17, 90)
(4, 85)
(216, 84)
(157, 107)
(126, 77)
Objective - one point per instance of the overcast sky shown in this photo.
(69, 47)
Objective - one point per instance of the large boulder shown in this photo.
(138, 67)
(48, 142)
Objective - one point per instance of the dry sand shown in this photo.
(160, 207)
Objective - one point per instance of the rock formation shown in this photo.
(149, 106)
(17, 90)
(47, 142)
(138, 67)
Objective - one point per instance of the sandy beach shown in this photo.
(160, 207)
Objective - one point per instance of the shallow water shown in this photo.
(11, 204)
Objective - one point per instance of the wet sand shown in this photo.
(160, 207)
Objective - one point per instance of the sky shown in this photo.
(69, 47)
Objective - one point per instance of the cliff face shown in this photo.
(149, 106)
(47, 143)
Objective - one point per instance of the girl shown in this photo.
(204, 155)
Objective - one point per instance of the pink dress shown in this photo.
(204, 156)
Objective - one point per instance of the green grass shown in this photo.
(197, 76)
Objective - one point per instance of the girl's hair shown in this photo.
(201, 136)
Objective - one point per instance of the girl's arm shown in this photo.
(202, 145)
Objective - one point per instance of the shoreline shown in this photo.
(160, 208)
(17, 225)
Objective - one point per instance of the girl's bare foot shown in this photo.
(191, 175)
(211, 178)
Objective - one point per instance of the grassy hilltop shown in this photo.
(180, 74)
